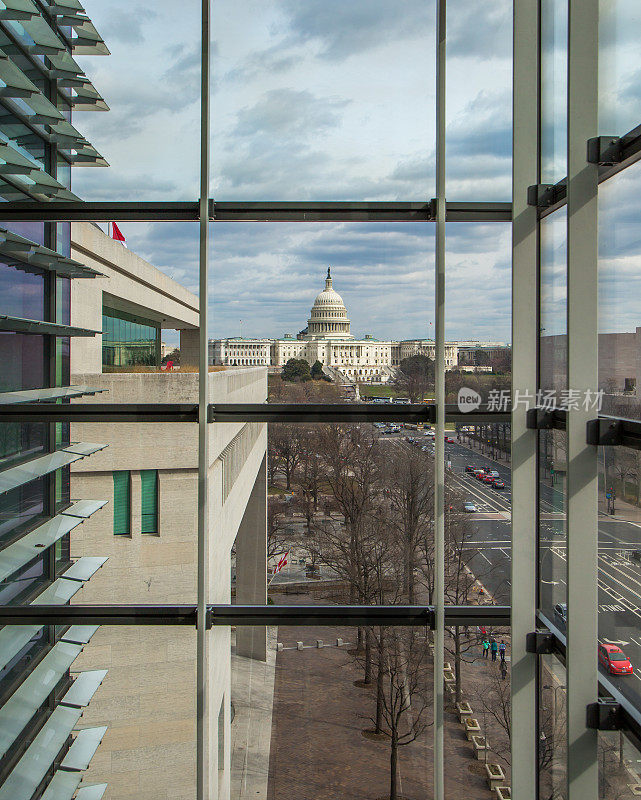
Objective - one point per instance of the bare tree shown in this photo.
(276, 508)
(409, 487)
(415, 377)
(461, 583)
(285, 442)
(404, 659)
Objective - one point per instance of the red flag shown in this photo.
(116, 233)
(282, 563)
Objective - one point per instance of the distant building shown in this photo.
(619, 361)
(328, 339)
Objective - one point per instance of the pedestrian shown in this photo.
(486, 648)
(503, 670)
(494, 647)
(502, 651)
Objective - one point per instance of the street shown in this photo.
(619, 575)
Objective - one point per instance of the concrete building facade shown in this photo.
(148, 532)
(147, 700)
(128, 284)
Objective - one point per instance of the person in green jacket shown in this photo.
(486, 648)
(494, 647)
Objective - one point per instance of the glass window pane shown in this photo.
(619, 32)
(552, 744)
(308, 104)
(374, 735)
(151, 83)
(479, 101)
(554, 59)
(619, 286)
(553, 302)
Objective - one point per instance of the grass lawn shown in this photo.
(380, 390)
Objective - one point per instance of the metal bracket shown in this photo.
(603, 432)
(541, 195)
(209, 618)
(539, 642)
(605, 150)
(604, 715)
(537, 419)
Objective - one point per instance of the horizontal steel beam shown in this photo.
(314, 412)
(242, 412)
(98, 615)
(314, 616)
(99, 412)
(609, 431)
(126, 211)
(323, 615)
(347, 412)
(478, 212)
(321, 212)
(268, 211)
(477, 615)
(549, 198)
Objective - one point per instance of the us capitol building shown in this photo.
(328, 339)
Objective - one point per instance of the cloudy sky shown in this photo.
(313, 100)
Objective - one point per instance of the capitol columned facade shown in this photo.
(328, 339)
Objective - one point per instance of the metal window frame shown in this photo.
(222, 615)
(525, 328)
(548, 198)
(242, 412)
(582, 314)
(439, 375)
(248, 211)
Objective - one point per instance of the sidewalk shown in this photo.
(623, 511)
(253, 699)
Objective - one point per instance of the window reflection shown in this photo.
(128, 340)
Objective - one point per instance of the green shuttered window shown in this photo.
(122, 503)
(149, 500)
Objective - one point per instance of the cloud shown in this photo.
(296, 114)
(341, 29)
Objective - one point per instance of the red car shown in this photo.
(469, 468)
(614, 660)
(449, 439)
(487, 478)
(479, 473)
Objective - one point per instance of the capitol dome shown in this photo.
(328, 319)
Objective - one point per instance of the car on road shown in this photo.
(449, 440)
(561, 614)
(493, 473)
(469, 507)
(469, 468)
(614, 659)
(379, 424)
(478, 473)
(498, 484)
(487, 478)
